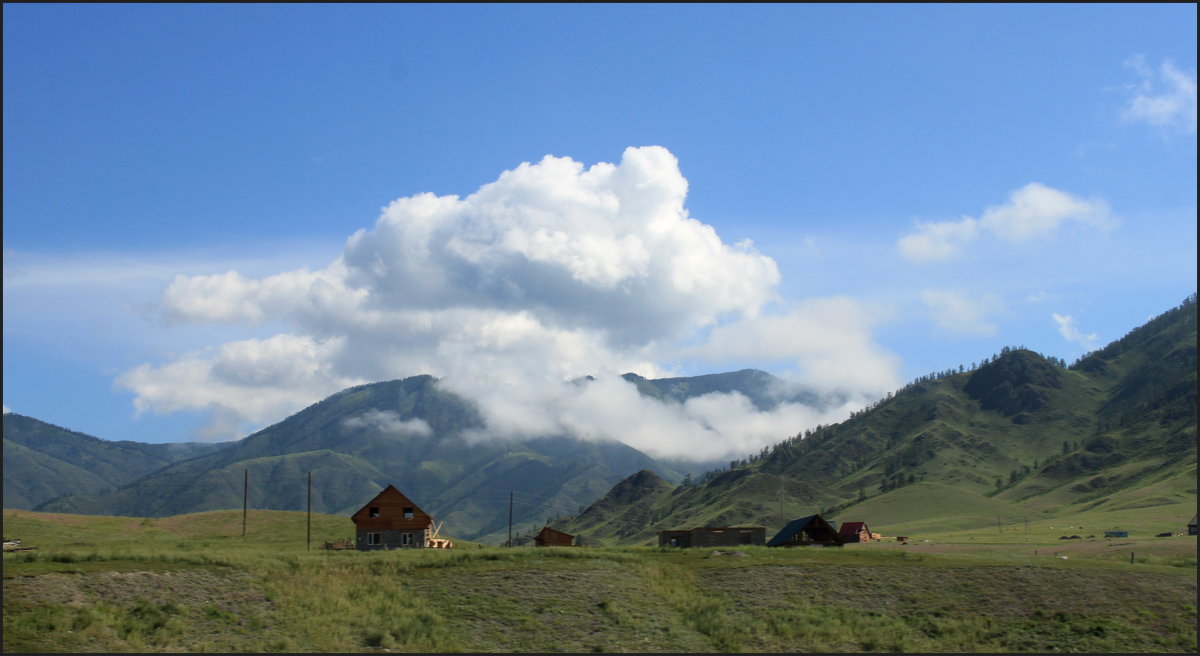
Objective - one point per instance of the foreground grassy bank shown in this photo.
(193, 584)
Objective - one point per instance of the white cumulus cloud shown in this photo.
(552, 271)
(1034, 211)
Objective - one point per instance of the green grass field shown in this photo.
(931, 509)
(193, 583)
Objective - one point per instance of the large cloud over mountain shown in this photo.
(550, 272)
(609, 248)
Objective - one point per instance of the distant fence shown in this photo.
(340, 544)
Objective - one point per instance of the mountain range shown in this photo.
(1015, 433)
(409, 432)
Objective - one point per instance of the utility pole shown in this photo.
(245, 495)
(510, 502)
(308, 543)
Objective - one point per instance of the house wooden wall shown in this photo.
(549, 537)
(675, 538)
(729, 536)
(714, 536)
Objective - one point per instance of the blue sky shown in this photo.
(185, 186)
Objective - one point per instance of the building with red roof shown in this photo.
(854, 532)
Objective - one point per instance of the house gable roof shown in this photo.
(391, 504)
(851, 528)
(796, 525)
(548, 532)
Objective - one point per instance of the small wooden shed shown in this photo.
(1192, 526)
(714, 536)
(675, 538)
(854, 532)
(807, 531)
(549, 537)
(391, 521)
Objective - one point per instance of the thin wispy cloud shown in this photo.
(1165, 98)
(825, 342)
(1070, 332)
(42, 272)
(1032, 212)
(958, 313)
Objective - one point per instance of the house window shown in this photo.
(374, 512)
(406, 539)
(408, 513)
(372, 538)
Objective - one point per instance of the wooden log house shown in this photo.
(549, 537)
(392, 521)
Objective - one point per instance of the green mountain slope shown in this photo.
(1019, 435)
(631, 504)
(407, 432)
(43, 461)
(42, 477)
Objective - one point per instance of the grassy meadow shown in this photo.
(193, 583)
